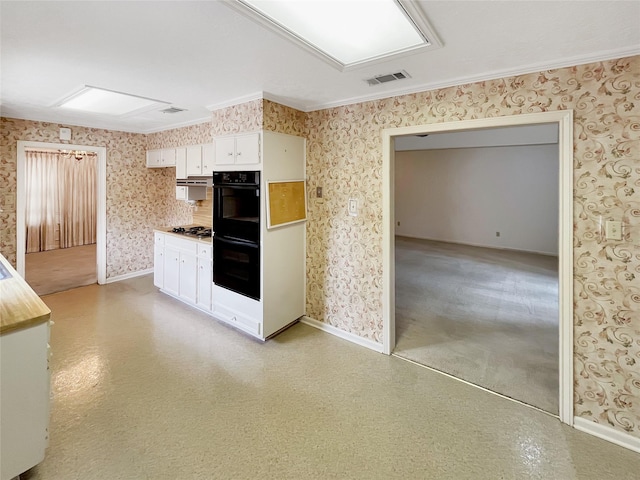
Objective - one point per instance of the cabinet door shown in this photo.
(225, 150)
(168, 157)
(194, 160)
(205, 283)
(208, 159)
(171, 270)
(158, 260)
(188, 277)
(158, 267)
(248, 149)
(153, 158)
(181, 163)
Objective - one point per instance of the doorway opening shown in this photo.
(477, 258)
(61, 226)
(564, 123)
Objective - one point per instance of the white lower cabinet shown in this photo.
(205, 276)
(171, 269)
(188, 284)
(24, 396)
(182, 268)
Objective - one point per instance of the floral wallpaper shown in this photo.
(180, 137)
(344, 157)
(344, 254)
(138, 198)
(281, 119)
(246, 117)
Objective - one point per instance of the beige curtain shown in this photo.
(61, 200)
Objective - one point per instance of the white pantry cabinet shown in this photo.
(238, 151)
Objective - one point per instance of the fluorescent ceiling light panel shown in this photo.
(349, 32)
(108, 102)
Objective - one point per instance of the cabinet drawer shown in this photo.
(158, 239)
(205, 250)
(236, 319)
(183, 244)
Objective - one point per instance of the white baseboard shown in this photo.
(363, 342)
(126, 276)
(607, 433)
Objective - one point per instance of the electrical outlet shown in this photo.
(318, 192)
(398, 223)
(497, 234)
(613, 230)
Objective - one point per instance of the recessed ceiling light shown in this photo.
(347, 33)
(109, 102)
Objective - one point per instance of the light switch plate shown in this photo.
(65, 134)
(353, 207)
(613, 230)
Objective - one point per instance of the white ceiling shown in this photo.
(204, 55)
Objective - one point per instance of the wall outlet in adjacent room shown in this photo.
(497, 234)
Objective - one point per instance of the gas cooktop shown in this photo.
(198, 231)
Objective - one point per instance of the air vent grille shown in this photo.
(389, 77)
(173, 110)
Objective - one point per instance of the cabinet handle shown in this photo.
(230, 154)
(239, 153)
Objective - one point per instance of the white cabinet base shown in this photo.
(24, 397)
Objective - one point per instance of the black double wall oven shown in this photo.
(236, 225)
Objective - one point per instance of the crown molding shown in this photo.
(235, 101)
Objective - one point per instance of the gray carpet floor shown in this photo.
(487, 316)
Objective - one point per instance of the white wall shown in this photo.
(467, 195)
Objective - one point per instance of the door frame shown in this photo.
(101, 193)
(564, 120)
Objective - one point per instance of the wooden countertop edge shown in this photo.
(32, 322)
(20, 306)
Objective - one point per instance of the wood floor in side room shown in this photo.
(61, 269)
(487, 316)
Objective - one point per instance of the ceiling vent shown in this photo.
(389, 77)
(173, 110)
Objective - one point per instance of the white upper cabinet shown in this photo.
(194, 160)
(237, 150)
(208, 159)
(200, 160)
(190, 160)
(165, 157)
(154, 158)
(168, 157)
(181, 163)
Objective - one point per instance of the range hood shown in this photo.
(195, 182)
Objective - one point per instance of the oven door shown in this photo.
(236, 266)
(236, 212)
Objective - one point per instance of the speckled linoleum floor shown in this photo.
(144, 387)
